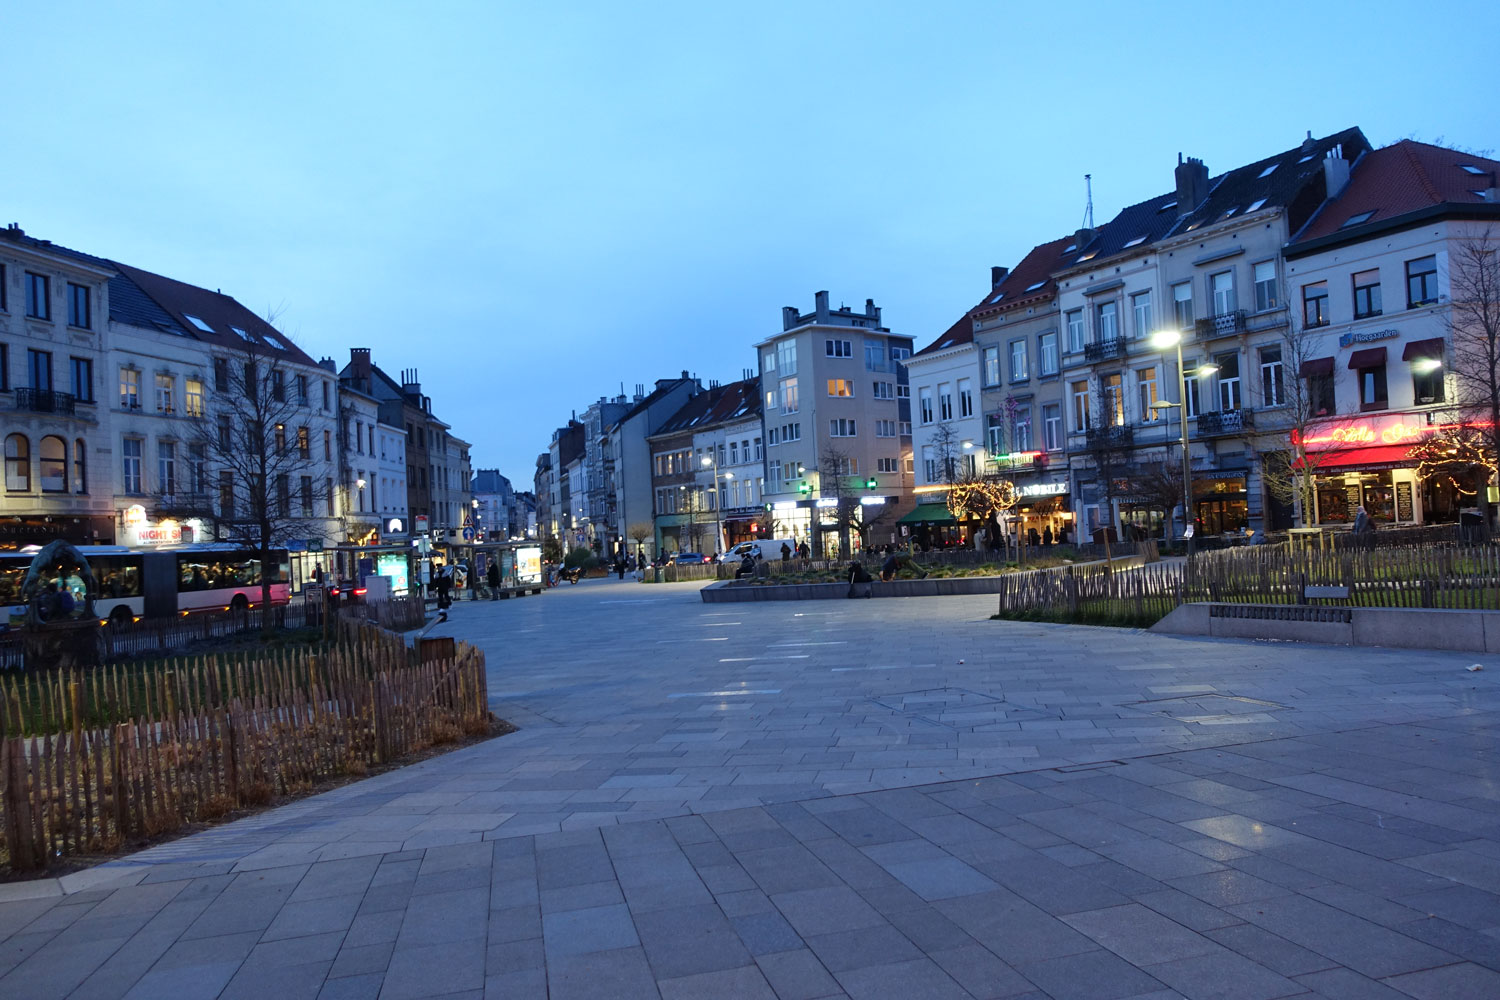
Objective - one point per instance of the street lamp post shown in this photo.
(1161, 341)
(712, 458)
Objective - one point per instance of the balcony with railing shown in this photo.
(45, 401)
(1104, 350)
(1111, 437)
(1223, 422)
(1223, 325)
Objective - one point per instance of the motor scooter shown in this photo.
(571, 574)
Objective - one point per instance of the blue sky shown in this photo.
(534, 203)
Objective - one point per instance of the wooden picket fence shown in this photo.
(1425, 576)
(92, 760)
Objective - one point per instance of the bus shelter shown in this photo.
(520, 564)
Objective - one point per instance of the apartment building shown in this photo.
(837, 417)
(1203, 260)
(1373, 279)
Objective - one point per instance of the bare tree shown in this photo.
(1110, 446)
(250, 460)
(944, 445)
(638, 533)
(1301, 414)
(838, 480)
(1474, 329)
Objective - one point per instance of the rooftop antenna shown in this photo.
(1088, 209)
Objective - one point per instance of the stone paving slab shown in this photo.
(911, 802)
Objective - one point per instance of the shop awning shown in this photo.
(928, 513)
(1386, 455)
(1423, 349)
(1316, 366)
(1370, 357)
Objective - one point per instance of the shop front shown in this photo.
(17, 531)
(1221, 502)
(1366, 461)
(1042, 515)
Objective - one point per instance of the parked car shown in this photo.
(690, 558)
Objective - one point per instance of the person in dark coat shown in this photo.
(492, 577)
(1047, 535)
(857, 575)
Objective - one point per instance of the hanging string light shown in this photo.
(1454, 451)
(982, 499)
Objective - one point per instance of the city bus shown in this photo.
(160, 583)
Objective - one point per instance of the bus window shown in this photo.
(117, 576)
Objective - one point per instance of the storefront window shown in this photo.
(1222, 505)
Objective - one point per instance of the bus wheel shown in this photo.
(239, 603)
(120, 616)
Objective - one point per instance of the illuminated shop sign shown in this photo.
(1042, 489)
(1365, 432)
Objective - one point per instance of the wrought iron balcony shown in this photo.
(1225, 422)
(1103, 350)
(1111, 437)
(45, 401)
(1223, 325)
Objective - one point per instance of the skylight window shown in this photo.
(239, 333)
(1231, 211)
(1355, 220)
(1268, 171)
(1309, 156)
(198, 323)
(1070, 248)
(1170, 204)
(268, 338)
(1256, 204)
(1089, 256)
(1469, 168)
(1136, 242)
(997, 298)
(1039, 284)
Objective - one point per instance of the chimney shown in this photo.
(410, 386)
(789, 316)
(359, 364)
(684, 373)
(820, 307)
(1083, 238)
(872, 311)
(997, 275)
(1192, 184)
(1308, 145)
(1335, 175)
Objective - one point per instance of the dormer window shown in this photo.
(198, 323)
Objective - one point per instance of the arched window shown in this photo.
(17, 464)
(54, 464)
(80, 467)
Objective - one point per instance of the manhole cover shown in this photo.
(1214, 709)
(955, 708)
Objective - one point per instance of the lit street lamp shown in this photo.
(1162, 340)
(712, 458)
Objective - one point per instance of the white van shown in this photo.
(765, 548)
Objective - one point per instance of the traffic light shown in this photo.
(870, 483)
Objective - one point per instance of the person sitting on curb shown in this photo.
(857, 575)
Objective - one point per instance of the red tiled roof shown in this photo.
(1031, 282)
(223, 314)
(1401, 178)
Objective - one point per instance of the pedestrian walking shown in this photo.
(492, 577)
(786, 552)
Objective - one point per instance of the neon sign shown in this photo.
(1392, 429)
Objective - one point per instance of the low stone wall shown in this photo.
(732, 591)
(1401, 628)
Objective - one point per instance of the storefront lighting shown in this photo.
(1426, 366)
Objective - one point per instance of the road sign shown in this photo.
(421, 522)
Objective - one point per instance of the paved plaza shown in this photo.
(874, 799)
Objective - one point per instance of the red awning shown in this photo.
(1316, 366)
(1394, 454)
(1423, 349)
(1370, 357)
